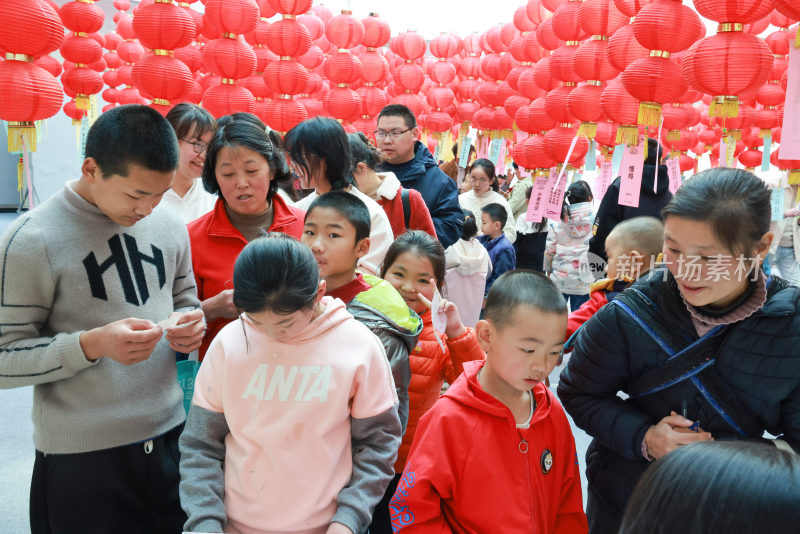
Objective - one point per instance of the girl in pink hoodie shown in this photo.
(293, 426)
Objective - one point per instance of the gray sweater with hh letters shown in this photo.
(65, 268)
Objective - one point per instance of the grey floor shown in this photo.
(16, 447)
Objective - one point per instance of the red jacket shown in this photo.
(216, 244)
(471, 470)
(599, 297)
(390, 198)
(429, 368)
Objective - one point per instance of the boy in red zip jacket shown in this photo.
(496, 453)
(632, 248)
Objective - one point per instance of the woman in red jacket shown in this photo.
(242, 167)
(415, 266)
(385, 189)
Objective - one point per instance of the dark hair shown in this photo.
(422, 244)
(520, 286)
(399, 110)
(362, 150)
(734, 203)
(496, 213)
(730, 486)
(132, 134)
(190, 119)
(470, 228)
(259, 285)
(245, 132)
(241, 116)
(317, 139)
(515, 165)
(348, 206)
(655, 151)
(488, 168)
(576, 193)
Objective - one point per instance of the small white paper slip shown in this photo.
(438, 318)
(171, 323)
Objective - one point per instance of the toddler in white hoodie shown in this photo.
(468, 265)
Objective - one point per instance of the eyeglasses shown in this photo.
(199, 146)
(380, 134)
(480, 180)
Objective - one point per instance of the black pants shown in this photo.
(381, 519)
(131, 489)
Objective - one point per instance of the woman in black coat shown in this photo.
(707, 347)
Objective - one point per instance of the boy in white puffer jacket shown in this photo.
(566, 254)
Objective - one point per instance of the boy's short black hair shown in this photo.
(521, 286)
(348, 206)
(399, 110)
(132, 134)
(496, 213)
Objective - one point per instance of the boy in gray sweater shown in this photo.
(84, 280)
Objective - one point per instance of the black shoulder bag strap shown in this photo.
(404, 195)
(694, 362)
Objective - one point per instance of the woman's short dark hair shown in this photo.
(244, 132)
(716, 487)
(422, 244)
(470, 228)
(488, 168)
(191, 120)
(275, 273)
(733, 202)
(317, 139)
(362, 150)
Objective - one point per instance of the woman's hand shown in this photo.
(338, 528)
(220, 306)
(671, 433)
(454, 327)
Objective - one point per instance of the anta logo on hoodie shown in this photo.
(297, 383)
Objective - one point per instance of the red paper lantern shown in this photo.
(565, 22)
(234, 16)
(589, 61)
(540, 120)
(558, 141)
(288, 38)
(538, 155)
(547, 37)
(726, 65)
(631, 7)
(584, 104)
(229, 58)
(113, 40)
(445, 45)
(536, 10)
(410, 100)
(287, 77)
(600, 17)
(27, 93)
(110, 95)
(543, 76)
(744, 11)
(81, 49)
(556, 105)
(606, 134)
(522, 119)
(82, 81)
(315, 25)
(122, 5)
(163, 26)
(791, 165)
(191, 56)
(522, 21)
(750, 158)
(30, 27)
(376, 31)
(283, 115)
(345, 31)
(410, 77)
(113, 61)
(465, 111)
(295, 7)
(408, 45)
(374, 66)
(624, 49)
(373, 100)
(343, 68)
(50, 64)
(164, 77)
(532, 50)
(623, 109)
(342, 103)
(667, 25)
(654, 81)
(225, 98)
(788, 8)
(130, 51)
(80, 17)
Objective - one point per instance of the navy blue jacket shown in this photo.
(438, 191)
(503, 257)
(758, 362)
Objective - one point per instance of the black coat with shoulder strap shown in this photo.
(758, 363)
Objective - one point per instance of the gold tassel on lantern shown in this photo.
(20, 172)
(587, 130)
(21, 136)
(674, 135)
(628, 135)
(724, 107)
(794, 177)
(649, 114)
(763, 132)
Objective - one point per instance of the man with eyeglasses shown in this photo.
(414, 166)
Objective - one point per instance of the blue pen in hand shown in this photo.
(694, 427)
